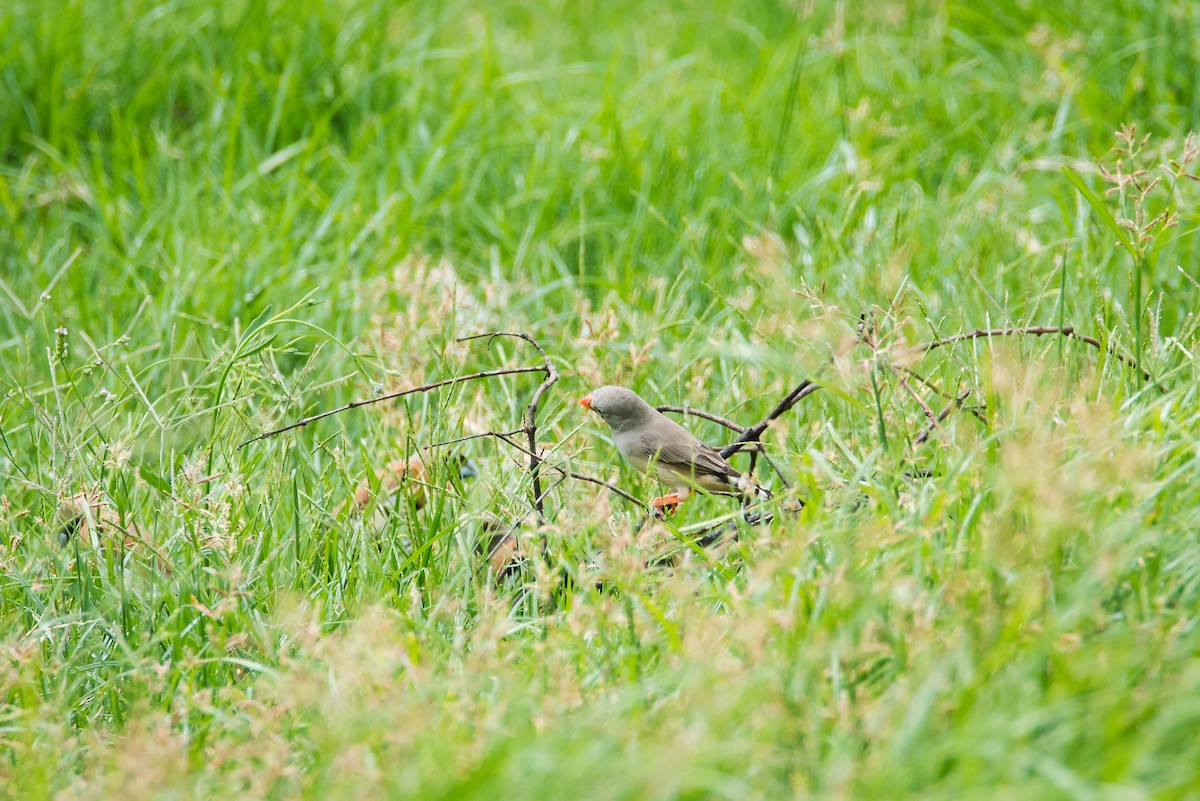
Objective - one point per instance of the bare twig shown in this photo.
(980, 333)
(932, 387)
(934, 422)
(535, 460)
(976, 411)
(577, 476)
(610, 487)
(391, 396)
(755, 449)
(510, 541)
(782, 478)
(529, 429)
(1037, 330)
(751, 434)
(716, 534)
(714, 418)
(505, 437)
(929, 415)
(469, 437)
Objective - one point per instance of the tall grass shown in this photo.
(217, 219)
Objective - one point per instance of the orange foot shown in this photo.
(666, 504)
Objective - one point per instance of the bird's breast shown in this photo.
(633, 450)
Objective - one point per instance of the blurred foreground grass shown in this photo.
(217, 218)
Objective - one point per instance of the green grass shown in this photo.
(218, 218)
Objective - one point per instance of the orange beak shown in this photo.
(586, 402)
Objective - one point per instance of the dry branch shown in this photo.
(610, 487)
(703, 415)
(535, 460)
(504, 436)
(470, 437)
(1037, 330)
(929, 414)
(577, 476)
(934, 422)
(391, 396)
(529, 429)
(751, 434)
(866, 336)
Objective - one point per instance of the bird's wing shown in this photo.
(688, 455)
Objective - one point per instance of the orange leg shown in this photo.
(666, 504)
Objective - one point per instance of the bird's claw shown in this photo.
(665, 505)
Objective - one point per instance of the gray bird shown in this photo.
(649, 440)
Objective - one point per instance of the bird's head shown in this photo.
(619, 407)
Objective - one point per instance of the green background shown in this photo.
(216, 218)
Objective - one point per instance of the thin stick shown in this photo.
(1038, 330)
(715, 418)
(934, 422)
(504, 436)
(469, 437)
(391, 396)
(782, 478)
(716, 534)
(610, 487)
(537, 500)
(499, 541)
(929, 414)
(751, 434)
(577, 476)
(535, 460)
(921, 380)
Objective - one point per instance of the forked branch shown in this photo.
(751, 434)
(934, 422)
(530, 429)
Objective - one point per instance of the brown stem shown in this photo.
(577, 476)
(1037, 330)
(714, 418)
(535, 460)
(392, 395)
(504, 436)
(782, 478)
(755, 449)
(469, 437)
(929, 415)
(934, 422)
(922, 380)
(751, 434)
(610, 487)
(974, 410)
